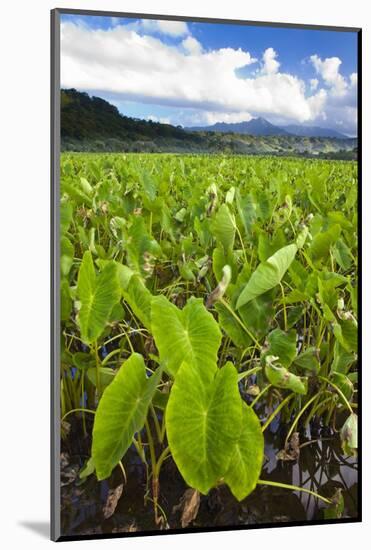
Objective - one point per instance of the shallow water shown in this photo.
(320, 468)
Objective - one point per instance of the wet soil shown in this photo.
(320, 467)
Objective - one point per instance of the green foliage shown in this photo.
(189, 335)
(171, 266)
(203, 421)
(247, 456)
(121, 413)
(98, 294)
(283, 345)
(268, 274)
(282, 378)
(224, 227)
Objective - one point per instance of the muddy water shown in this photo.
(320, 468)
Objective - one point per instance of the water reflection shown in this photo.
(320, 468)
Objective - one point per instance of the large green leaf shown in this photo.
(282, 345)
(321, 243)
(343, 360)
(203, 422)
(66, 256)
(65, 300)
(139, 299)
(224, 227)
(346, 333)
(98, 295)
(190, 334)
(141, 247)
(268, 274)
(308, 361)
(247, 456)
(121, 413)
(258, 314)
(66, 214)
(342, 254)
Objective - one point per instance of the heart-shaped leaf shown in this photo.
(139, 299)
(247, 457)
(224, 227)
(203, 421)
(190, 334)
(98, 295)
(121, 413)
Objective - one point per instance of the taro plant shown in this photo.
(202, 298)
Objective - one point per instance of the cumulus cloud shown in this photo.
(270, 63)
(191, 45)
(171, 28)
(341, 102)
(328, 69)
(209, 117)
(353, 79)
(134, 62)
(313, 82)
(140, 67)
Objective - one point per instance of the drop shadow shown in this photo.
(41, 528)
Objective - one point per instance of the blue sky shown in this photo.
(201, 73)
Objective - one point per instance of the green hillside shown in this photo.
(93, 124)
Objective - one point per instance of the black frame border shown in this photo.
(55, 509)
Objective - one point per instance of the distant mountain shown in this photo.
(254, 127)
(261, 127)
(313, 131)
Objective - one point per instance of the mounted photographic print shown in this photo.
(205, 303)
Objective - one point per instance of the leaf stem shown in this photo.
(97, 366)
(339, 392)
(260, 395)
(299, 415)
(277, 410)
(284, 306)
(243, 375)
(293, 488)
(236, 317)
(80, 409)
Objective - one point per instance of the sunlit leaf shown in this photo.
(247, 456)
(224, 227)
(190, 334)
(121, 413)
(98, 294)
(203, 422)
(268, 274)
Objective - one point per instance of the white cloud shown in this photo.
(127, 64)
(328, 69)
(341, 102)
(353, 79)
(313, 83)
(210, 117)
(171, 28)
(191, 45)
(154, 118)
(270, 64)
